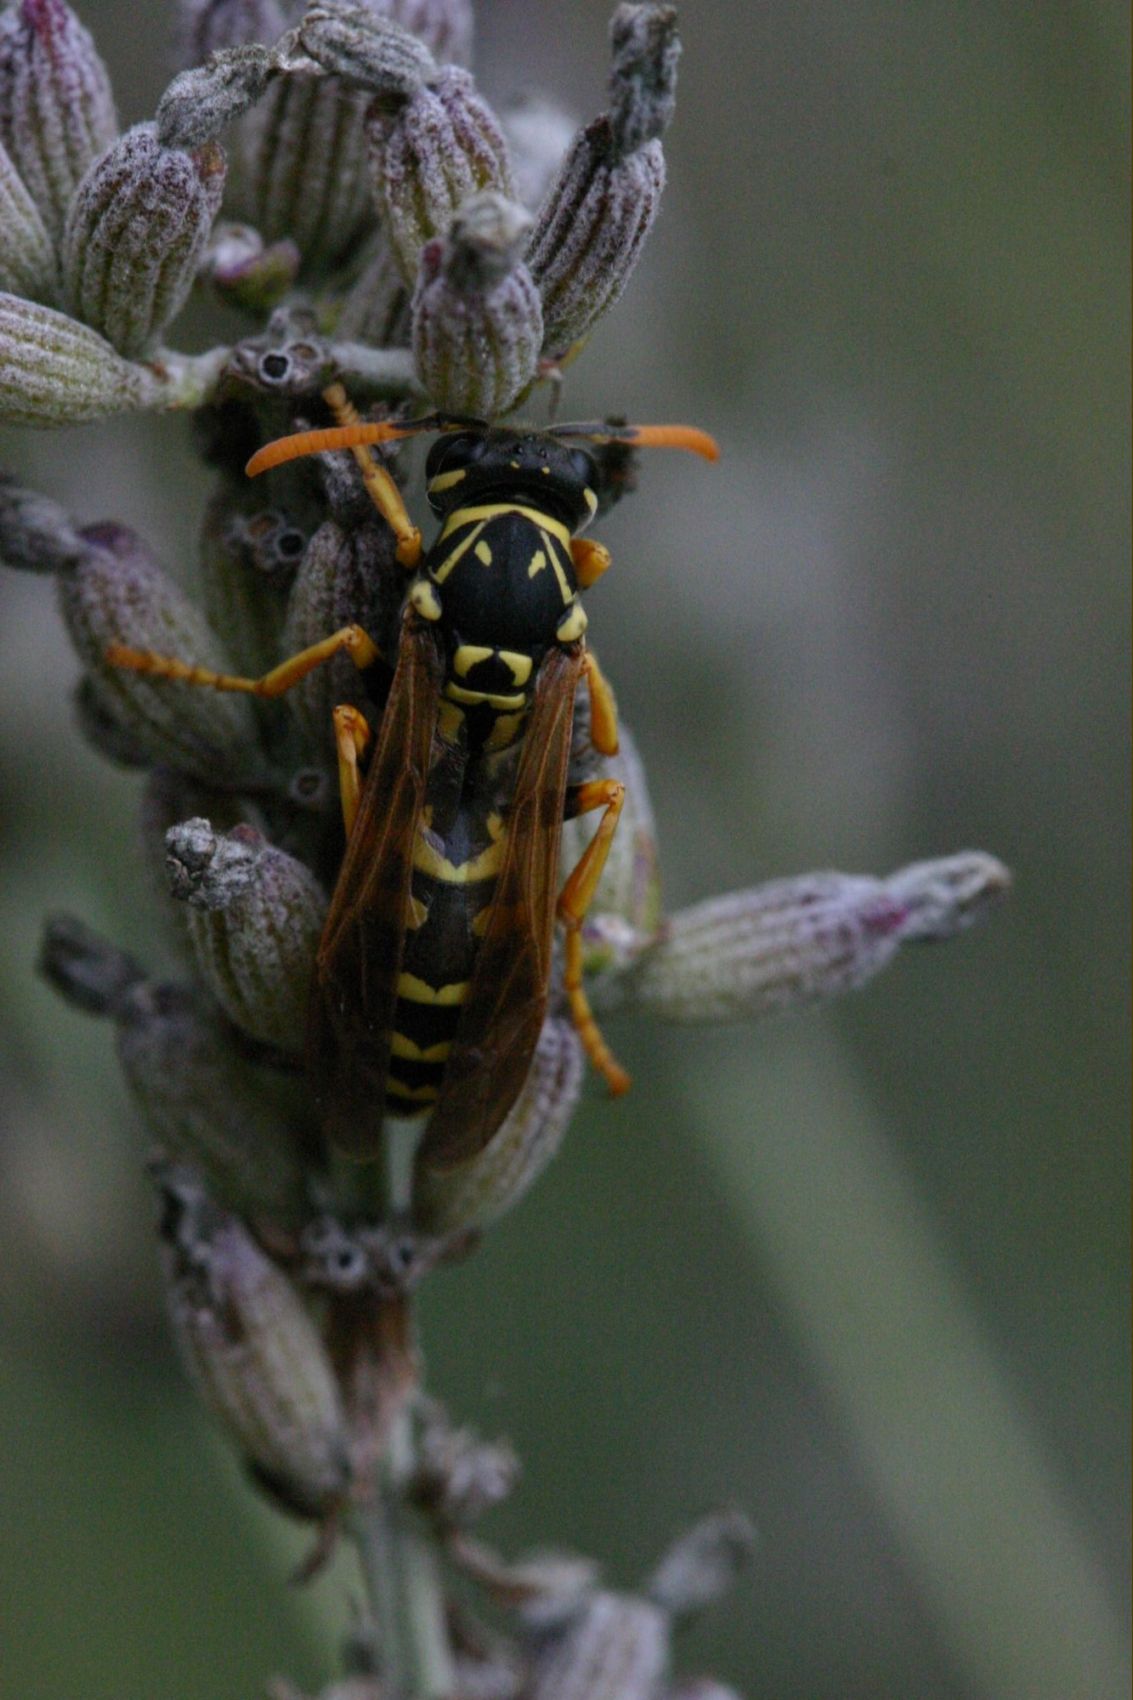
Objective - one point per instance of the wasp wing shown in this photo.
(507, 998)
(359, 955)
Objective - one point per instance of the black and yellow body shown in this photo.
(433, 972)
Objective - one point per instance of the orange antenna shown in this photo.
(302, 443)
(646, 436)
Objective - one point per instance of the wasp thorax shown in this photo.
(485, 465)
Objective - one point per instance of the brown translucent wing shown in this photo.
(359, 955)
(507, 997)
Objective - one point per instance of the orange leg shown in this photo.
(590, 560)
(574, 900)
(352, 737)
(383, 492)
(603, 708)
(350, 640)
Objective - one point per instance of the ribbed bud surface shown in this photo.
(56, 106)
(796, 941)
(477, 318)
(135, 232)
(199, 103)
(27, 257)
(376, 308)
(475, 1194)
(255, 915)
(645, 49)
(357, 42)
(202, 1103)
(443, 145)
(54, 371)
(590, 230)
(445, 26)
(119, 594)
(617, 1649)
(249, 1343)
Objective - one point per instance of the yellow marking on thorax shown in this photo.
(450, 718)
(452, 560)
(537, 562)
(457, 693)
(468, 655)
(484, 865)
(445, 481)
(505, 731)
(400, 1046)
(564, 587)
(493, 510)
(572, 625)
(415, 990)
(520, 664)
(483, 553)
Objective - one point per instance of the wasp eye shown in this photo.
(453, 451)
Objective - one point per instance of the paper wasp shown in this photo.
(432, 975)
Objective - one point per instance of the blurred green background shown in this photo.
(862, 1272)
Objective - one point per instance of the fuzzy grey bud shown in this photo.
(27, 257)
(54, 371)
(616, 1649)
(477, 1193)
(36, 534)
(253, 1350)
(200, 102)
(118, 594)
(91, 974)
(135, 232)
(349, 39)
(206, 26)
(441, 146)
(546, 1589)
(459, 1476)
(56, 106)
(255, 915)
(590, 230)
(643, 79)
(702, 1564)
(477, 318)
(243, 271)
(796, 941)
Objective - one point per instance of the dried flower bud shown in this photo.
(459, 1476)
(118, 593)
(477, 320)
(702, 1564)
(54, 371)
(590, 230)
(290, 359)
(616, 1649)
(441, 146)
(538, 134)
(349, 576)
(206, 26)
(248, 559)
(376, 308)
(245, 272)
(56, 106)
(27, 257)
(206, 1104)
(643, 80)
(253, 1350)
(477, 1193)
(799, 940)
(348, 38)
(135, 231)
(200, 102)
(36, 534)
(91, 974)
(254, 924)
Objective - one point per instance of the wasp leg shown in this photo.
(382, 490)
(590, 560)
(574, 900)
(352, 738)
(603, 708)
(350, 640)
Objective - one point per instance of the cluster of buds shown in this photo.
(334, 170)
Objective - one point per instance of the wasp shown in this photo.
(432, 975)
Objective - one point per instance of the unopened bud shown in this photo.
(590, 230)
(243, 271)
(702, 1564)
(200, 102)
(351, 39)
(253, 1350)
(643, 79)
(118, 594)
(477, 1193)
(459, 1476)
(135, 232)
(27, 257)
(206, 26)
(375, 310)
(800, 940)
(255, 916)
(248, 559)
(428, 156)
(90, 973)
(546, 1589)
(55, 371)
(36, 534)
(445, 26)
(616, 1649)
(477, 319)
(56, 106)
